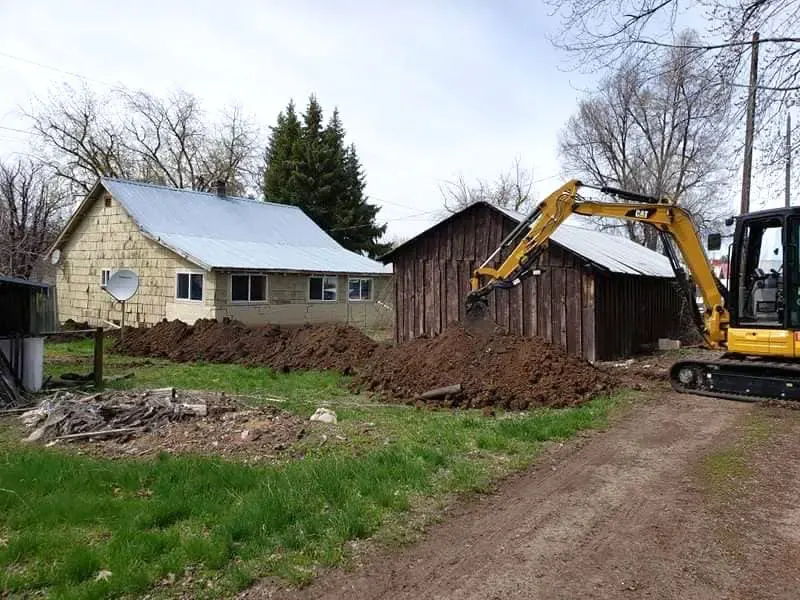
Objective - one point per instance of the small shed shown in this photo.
(600, 296)
(27, 310)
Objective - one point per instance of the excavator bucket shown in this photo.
(477, 309)
(476, 317)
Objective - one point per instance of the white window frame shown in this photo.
(102, 276)
(371, 289)
(249, 288)
(202, 286)
(324, 277)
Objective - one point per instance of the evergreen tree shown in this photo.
(281, 157)
(308, 165)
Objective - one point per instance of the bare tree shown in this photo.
(33, 207)
(599, 34)
(136, 135)
(660, 134)
(512, 189)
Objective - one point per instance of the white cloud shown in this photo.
(426, 90)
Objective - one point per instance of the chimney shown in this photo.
(219, 188)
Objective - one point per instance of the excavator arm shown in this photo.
(530, 238)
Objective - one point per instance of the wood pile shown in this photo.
(68, 416)
(10, 396)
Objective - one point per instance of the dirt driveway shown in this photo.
(683, 498)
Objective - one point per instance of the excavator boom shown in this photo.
(759, 332)
(530, 238)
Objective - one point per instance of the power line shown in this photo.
(51, 68)
(14, 129)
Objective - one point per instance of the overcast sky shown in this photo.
(426, 89)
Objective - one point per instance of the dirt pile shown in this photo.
(336, 347)
(492, 367)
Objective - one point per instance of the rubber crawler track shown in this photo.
(790, 368)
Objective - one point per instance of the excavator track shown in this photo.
(744, 380)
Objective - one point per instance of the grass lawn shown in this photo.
(75, 526)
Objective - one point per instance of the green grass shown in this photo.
(64, 518)
(725, 470)
(297, 388)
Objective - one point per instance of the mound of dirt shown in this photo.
(493, 368)
(335, 347)
(72, 330)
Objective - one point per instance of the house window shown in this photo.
(248, 288)
(189, 286)
(105, 274)
(359, 289)
(322, 289)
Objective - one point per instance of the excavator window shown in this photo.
(792, 268)
(760, 277)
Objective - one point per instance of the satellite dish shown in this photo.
(55, 256)
(122, 285)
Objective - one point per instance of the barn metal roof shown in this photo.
(611, 252)
(236, 233)
(615, 253)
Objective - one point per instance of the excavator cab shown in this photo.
(764, 284)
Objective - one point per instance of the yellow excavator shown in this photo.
(755, 320)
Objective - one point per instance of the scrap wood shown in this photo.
(110, 378)
(71, 415)
(9, 385)
(103, 432)
(441, 392)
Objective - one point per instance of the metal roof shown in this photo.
(611, 252)
(236, 233)
(615, 253)
(22, 282)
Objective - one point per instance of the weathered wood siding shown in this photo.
(636, 311)
(561, 305)
(432, 281)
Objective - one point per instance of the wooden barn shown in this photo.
(599, 295)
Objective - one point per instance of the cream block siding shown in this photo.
(288, 303)
(107, 238)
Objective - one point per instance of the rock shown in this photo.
(245, 434)
(103, 575)
(32, 417)
(324, 415)
(36, 434)
(668, 344)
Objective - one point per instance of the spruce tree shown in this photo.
(308, 165)
(281, 157)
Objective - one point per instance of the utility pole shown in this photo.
(788, 186)
(750, 127)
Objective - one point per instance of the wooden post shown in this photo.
(750, 128)
(98, 357)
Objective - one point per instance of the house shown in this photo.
(599, 296)
(209, 255)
